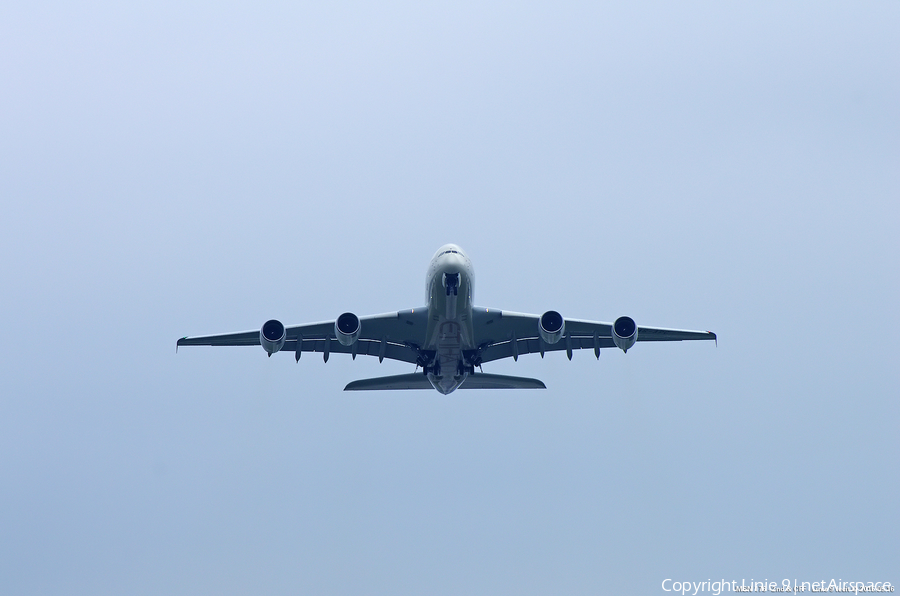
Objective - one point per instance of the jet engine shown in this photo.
(624, 333)
(551, 326)
(272, 336)
(346, 329)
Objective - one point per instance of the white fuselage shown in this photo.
(448, 292)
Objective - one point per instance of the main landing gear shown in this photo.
(434, 369)
(463, 368)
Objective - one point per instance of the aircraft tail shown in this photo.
(420, 381)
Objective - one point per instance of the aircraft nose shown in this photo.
(453, 261)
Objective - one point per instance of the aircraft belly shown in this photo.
(449, 333)
(448, 346)
(456, 310)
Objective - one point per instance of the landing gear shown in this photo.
(463, 368)
(434, 369)
(451, 283)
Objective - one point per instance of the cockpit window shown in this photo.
(448, 251)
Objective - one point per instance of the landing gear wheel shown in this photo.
(463, 368)
(451, 282)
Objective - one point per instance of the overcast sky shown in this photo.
(183, 168)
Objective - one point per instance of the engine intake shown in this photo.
(551, 326)
(346, 329)
(625, 333)
(272, 336)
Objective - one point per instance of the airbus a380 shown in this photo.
(449, 338)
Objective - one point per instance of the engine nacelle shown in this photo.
(346, 329)
(551, 326)
(272, 336)
(624, 333)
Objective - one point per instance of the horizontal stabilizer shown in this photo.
(489, 381)
(420, 381)
(410, 381)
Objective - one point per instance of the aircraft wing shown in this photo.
(504, 334)
(394, 335)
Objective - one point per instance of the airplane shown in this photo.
(449, 338)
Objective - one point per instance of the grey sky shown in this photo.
(188, 168)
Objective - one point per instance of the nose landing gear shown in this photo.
(451, 283)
